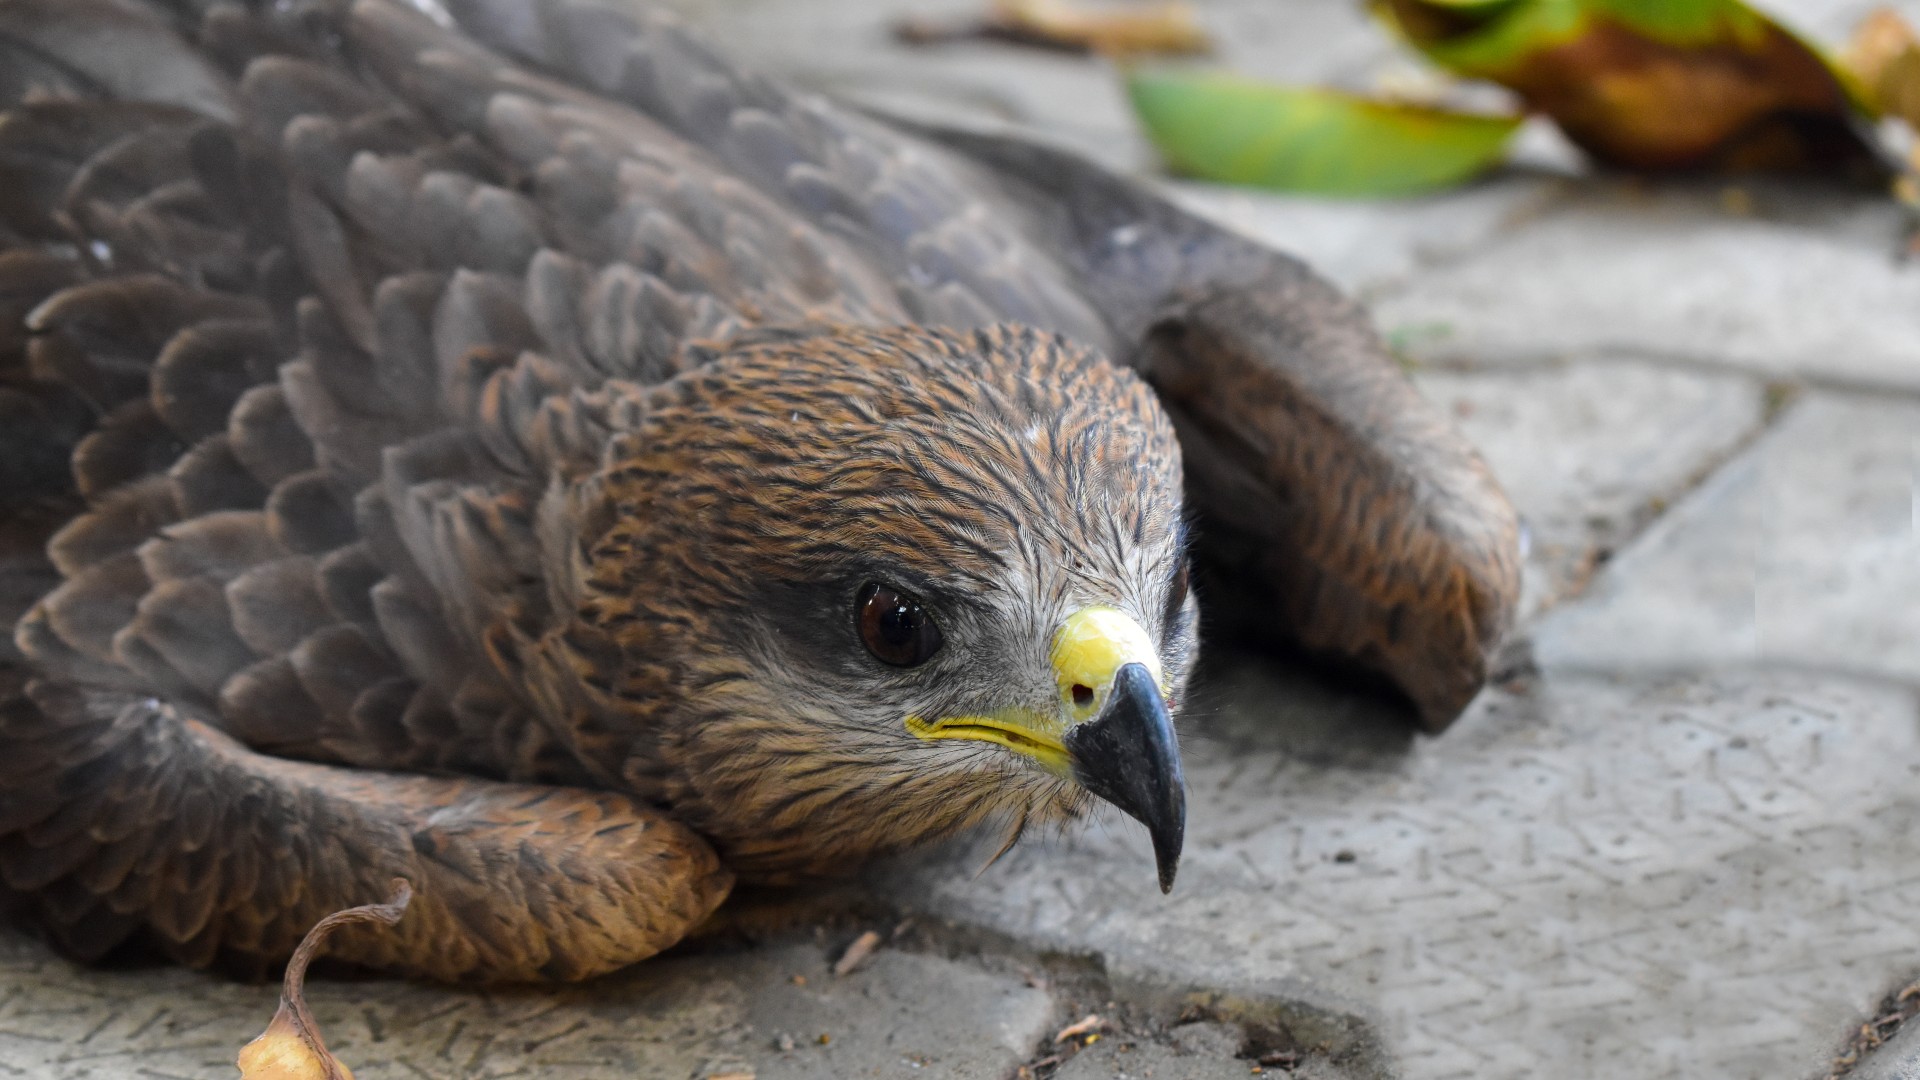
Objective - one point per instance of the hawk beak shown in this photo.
(1123, 747)
(1112, 731)
(1127, 756)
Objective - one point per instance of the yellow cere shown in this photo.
(1090, 647)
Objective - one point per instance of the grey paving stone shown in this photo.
(1206, 1038)
(1591, 451)
(1700, 877)
(1365, 245)
(902, 1014)
(1811, 290)
(1199, 1050)
(1805, 551)
(1112, 1059)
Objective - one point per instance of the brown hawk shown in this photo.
(507, 447)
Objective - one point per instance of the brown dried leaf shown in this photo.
(1166, 28)
(291, 1048)
(1086, 1025)
(856, 954)
(1668, 84)
(1885, 56)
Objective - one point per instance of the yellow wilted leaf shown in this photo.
(291, 1048)
(1885, 56)
(1156, 28)
(1167, 28)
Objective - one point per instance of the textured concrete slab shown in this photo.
(770, 1013)
(1804, 552)
(1592, 451)
(1701, 877)
(1672, 272)
(1368, 246)
(1198, 1050)
(1112, 1059)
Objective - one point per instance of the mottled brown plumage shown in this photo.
(456, 450)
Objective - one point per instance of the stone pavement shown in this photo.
(1681, 837)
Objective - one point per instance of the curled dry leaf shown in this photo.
(1651, 84)
(1168, 28)
(856, 954)
(1885, 56)
(291, 1048)
(1086, 1025)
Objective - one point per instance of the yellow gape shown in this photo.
(1090, 647)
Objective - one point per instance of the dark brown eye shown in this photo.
(895, 627)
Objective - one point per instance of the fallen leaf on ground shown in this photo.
(1086, 1025)
(1309, 139)
(1168, 28)
(1161, 28)
(1885, 56)
(1651, 84)
(291, 1048)
(856, 954)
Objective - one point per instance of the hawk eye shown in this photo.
(894, 626)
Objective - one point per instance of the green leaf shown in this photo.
(1221, 127)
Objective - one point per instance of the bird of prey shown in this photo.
(508, 447)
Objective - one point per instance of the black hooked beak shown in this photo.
(1127, 755)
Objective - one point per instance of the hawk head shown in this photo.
(861, 589)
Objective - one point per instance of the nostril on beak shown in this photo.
(1082, 695)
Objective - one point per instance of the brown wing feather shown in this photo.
(118, 812)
